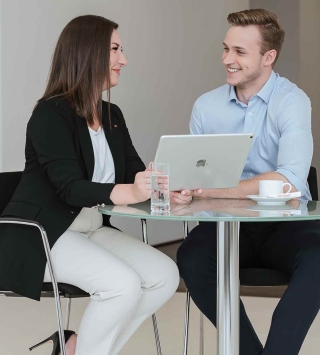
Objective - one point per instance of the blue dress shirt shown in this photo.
(279, 116)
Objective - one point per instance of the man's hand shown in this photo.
(182, 197)
(244, 188)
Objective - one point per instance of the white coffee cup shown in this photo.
(272, 187)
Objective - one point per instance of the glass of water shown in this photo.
(160, 187)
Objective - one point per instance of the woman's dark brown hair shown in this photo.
(80, 65)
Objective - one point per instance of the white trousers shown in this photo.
(128, 281)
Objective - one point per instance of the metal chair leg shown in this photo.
(154, 318)
(156, 334)
(185, 229)
(56, 295)
(201, 338)
(51, 270)
(67, 315)
(201, 344)
(186, 321)
(186, 325)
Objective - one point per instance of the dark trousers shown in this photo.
(292, 247)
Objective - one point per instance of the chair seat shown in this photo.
(72, 291)
(263, 277)
(248, 277)
(64, 289)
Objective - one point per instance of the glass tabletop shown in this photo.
(221, 210)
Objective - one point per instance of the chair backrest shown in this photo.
(8, 184)
(313, 184)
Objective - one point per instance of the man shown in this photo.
(278, 113)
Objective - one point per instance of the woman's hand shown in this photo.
(181, 197)
(142, 185)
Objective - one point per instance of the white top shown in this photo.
(103, 161)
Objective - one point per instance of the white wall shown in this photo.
(289, 16)
(174, 52)
(1, 31)
(309, 74)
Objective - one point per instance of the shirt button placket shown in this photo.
(248, 122)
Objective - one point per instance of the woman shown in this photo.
(79, 154)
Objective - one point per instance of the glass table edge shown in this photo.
(104, 211)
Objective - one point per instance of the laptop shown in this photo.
(207, 161)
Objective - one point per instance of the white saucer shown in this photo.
(269, 201)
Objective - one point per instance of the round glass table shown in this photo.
(228, 214)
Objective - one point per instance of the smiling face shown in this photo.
(242, 57)
(117, 59)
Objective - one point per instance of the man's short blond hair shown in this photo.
(272, 34)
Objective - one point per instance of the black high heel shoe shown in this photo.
(55, 339)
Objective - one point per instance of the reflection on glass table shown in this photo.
(221, 210)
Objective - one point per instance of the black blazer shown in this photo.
(56, 184)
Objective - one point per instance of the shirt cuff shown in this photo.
(292, 178)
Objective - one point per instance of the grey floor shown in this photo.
(25, 322)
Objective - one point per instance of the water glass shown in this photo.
(160, 187)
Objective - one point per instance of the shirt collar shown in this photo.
(232, 95)
(264, 93)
